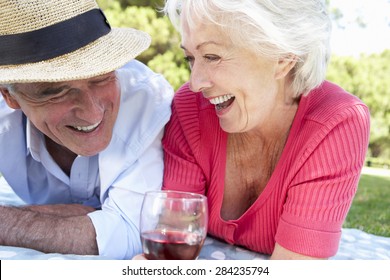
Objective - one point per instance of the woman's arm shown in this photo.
(281, 253)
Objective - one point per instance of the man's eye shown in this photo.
(100, 82)
(58, 98)
(62, 96)
(104, 80)
(49, 97)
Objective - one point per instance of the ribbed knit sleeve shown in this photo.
(181, 170)
(326, 178)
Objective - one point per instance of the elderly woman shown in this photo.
(277, 149)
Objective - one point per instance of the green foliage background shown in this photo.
(367, 77)
(164, 55)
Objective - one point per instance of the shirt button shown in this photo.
(230, 233)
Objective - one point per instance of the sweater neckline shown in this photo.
(302, 108)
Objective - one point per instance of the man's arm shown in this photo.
(61, 210)
(41, 228)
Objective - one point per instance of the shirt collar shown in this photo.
(35, 141)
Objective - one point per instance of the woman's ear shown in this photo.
(285, 64)
(9, 99)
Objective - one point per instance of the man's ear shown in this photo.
(285, 64)
(9, 99)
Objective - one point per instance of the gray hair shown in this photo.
(10, 87)
(273, 28)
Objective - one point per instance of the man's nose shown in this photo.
(89, 103)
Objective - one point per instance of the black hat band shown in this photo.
(55, 40)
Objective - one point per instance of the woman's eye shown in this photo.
(211, 58)
(189, 59)
(207, 58)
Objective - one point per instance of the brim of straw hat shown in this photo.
(102, 56)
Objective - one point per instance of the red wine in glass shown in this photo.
(173, 225)
(171, 245)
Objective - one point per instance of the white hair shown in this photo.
(273, 28)
(10, 87)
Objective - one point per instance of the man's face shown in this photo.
(79, 115)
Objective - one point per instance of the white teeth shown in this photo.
(87, 128)
(221, 99)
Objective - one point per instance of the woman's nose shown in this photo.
(199, 79)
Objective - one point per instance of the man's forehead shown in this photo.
(41, 86)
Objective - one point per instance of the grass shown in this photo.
(370, 210)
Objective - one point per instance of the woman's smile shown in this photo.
(222, 102)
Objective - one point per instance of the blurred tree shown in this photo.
(156, 4)
(337, 16)
(164, 54)
(368, 78)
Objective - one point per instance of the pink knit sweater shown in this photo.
(307, 198)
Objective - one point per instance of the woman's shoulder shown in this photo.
(330, 101)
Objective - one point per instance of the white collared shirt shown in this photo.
(115, 179)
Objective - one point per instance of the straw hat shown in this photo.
(61, 40)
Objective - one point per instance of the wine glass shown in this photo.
(173, 225)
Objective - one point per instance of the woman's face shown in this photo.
(246, 89)
(79, 115)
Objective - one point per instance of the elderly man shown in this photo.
(81, 124)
